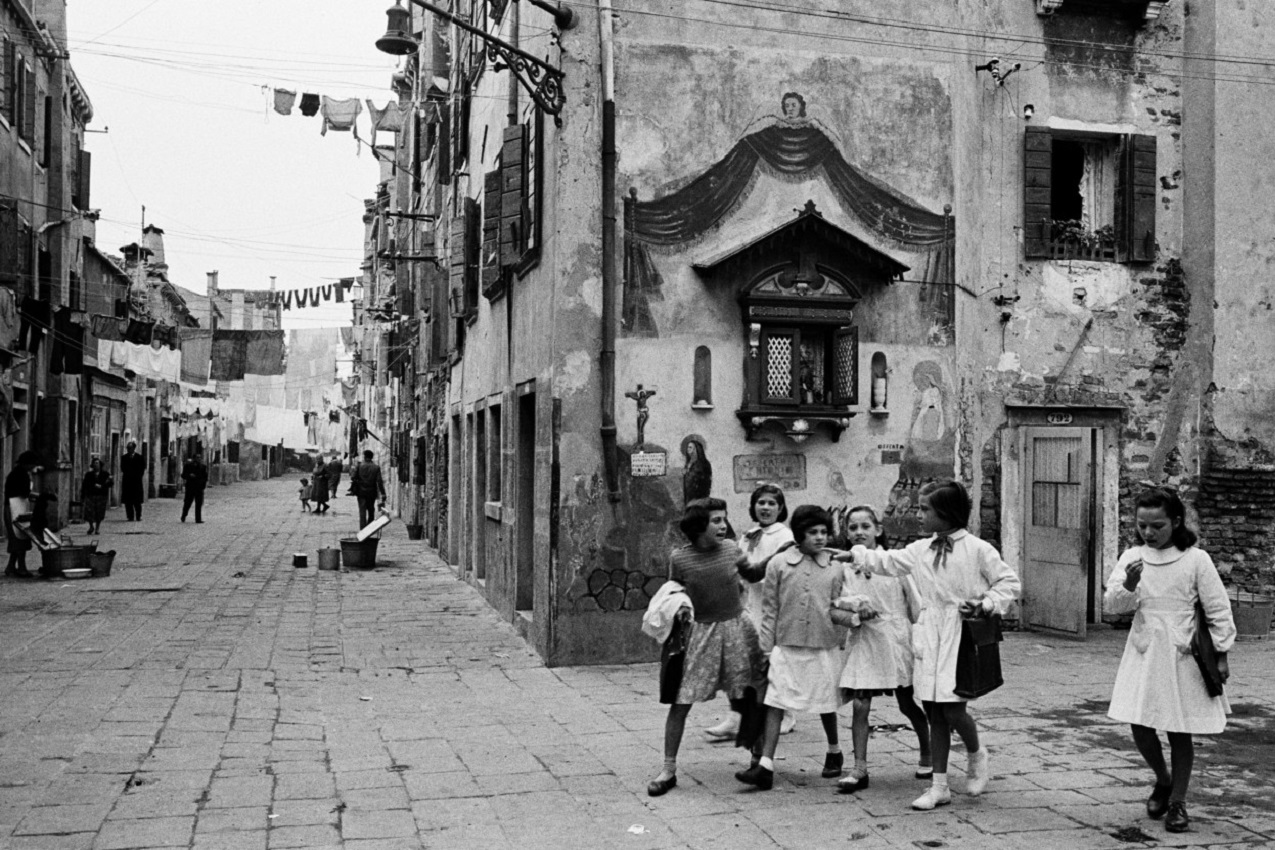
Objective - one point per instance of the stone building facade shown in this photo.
(999, 242)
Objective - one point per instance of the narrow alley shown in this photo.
(210, 695)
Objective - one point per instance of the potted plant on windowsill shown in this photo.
(1071, 240)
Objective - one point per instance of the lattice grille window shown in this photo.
(779, 366)
(846, 366)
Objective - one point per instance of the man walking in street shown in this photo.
(334, 475)
(132, 482)
(195, 474)
(368, 485)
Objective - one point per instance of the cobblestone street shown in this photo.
(210, 695)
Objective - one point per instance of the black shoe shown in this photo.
(757, 775)
(660, 787)
(1177, 821)
(199, 522)
(853, 783)
(1158, 802)
(832, 765)
(183, 519)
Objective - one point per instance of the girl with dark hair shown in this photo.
(1158, 686)
(879, 658)
(721, 654)
(801, 641)
(957, 575)
(769, 510)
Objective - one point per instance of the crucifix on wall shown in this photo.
(643, 413)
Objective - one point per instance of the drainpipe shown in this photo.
(610, 458)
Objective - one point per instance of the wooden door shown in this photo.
(1059, 518)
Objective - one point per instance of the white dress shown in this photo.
(1158, 683)
(879, 651)
(760, 544)
(973, 569)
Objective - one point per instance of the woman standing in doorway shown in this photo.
(17, 494)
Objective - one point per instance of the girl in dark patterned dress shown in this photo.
(722, 652)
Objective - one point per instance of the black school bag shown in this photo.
(978, 659)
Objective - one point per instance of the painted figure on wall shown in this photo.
(697, 480)
(643, 412)
(930, 453)
(794, 108)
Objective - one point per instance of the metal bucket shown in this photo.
(359, 555)
(101, 563)
(329, 559)
(1253, 613)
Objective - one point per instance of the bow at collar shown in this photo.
(942, 546)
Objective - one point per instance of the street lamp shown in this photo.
(540, 79)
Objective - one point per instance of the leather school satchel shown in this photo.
(978, 659)
(1204, 652)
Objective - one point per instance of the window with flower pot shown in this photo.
(1089, 196)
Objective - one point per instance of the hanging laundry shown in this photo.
(196, 355)
(140, 333)
(8, 420)
(67, 354)
(327, 292)
(309, 104)
(340, 292)
(287, 300)
(34, 316)
(265, 352)
(340, 115)
(229, 355)
(389, 119)
(9, 322)
(109, 327)
(283, 100)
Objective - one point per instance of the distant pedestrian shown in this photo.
(319, 488)
(721, 654)
(17, 506)
(1159, 685)
(958, 576)
(368, 484)
(879, 659)
(132, 482)
(801, 641)
(195, 474)
(335, 468)
(95, 492)
(305, 492)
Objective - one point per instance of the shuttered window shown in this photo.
(10, 81)
(493, 273)
(1067, 196)
(26, 106)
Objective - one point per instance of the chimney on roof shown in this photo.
(153, 238)
(212, 283)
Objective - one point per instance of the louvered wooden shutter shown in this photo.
(84, 179)
(28, 105)
(493, 274)
(473, 248)
(456, 265)
(444, 143)
(512, 191)
(845, 366)
(10, 81)
(1136, 198)
(1038, 165)
(10, 245)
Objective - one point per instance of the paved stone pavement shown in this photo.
(209, 695)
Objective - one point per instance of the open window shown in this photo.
(798, 288)
(1089, 196)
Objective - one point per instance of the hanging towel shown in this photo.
(327, 292)
(265, 352)
(340, 115)
(140, 333)
(108, 327)
(287, 300)
(35, 316)
(196, 355)
(309, 104)
(283, 100)
(8, 319)
(340, 291)
(389, 118)
(229, 355)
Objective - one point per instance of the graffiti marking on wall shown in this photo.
(787, 471)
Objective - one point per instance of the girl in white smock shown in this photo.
(1159, 685)
(957, 575)
(768, 509)
(880, 611)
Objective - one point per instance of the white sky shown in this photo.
(236, 187)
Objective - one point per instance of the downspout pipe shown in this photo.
(610, 455)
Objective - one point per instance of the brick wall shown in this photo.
(1236, 507)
